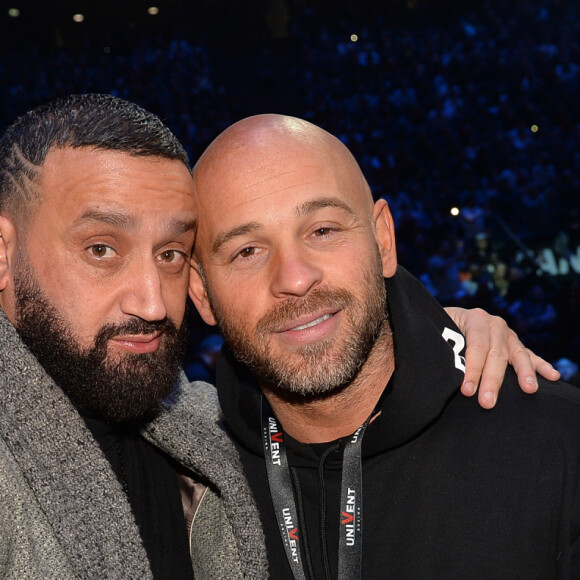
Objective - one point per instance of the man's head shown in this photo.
(290, 253)
(97, 227)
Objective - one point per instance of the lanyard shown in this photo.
(350, 509)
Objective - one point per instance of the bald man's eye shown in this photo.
(247, 252)
(325, 231)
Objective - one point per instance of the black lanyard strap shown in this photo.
(350, 535)
(351, 496)
(281, 488)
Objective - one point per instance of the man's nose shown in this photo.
(295, 272)
(143, 296)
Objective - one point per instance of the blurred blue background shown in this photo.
(463, 115)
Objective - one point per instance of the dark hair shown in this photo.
(88, 120)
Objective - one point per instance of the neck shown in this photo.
(329, 417)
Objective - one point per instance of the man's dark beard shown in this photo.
(127, 388)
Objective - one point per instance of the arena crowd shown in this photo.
(472, 106)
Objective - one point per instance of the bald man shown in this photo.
(341, 376)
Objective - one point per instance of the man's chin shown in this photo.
(121, 387)
(302, 376)
(136, 410)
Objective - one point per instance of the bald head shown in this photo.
(268, 147)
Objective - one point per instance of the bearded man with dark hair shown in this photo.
(106, 451)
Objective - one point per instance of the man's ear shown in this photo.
(7, 249)
(198, 294)
(385, 236)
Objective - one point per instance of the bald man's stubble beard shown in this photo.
(320, 368)
(113, 387)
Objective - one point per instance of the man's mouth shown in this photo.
(310, 328)
(138, 343)
(313, 323)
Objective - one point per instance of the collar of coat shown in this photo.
(72, 481)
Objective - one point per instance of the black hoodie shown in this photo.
(450, 490)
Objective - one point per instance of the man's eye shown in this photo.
(172, 257)
(322, 231)
(169, 256)
(247, 252)
(101, 250)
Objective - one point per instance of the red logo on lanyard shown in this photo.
(347, 518)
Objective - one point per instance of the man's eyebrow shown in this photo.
(321, 203)
(300, 211)
(116, 219)
(121, 220)
(233, 233)
(178, 226)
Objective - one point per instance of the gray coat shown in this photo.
(63, 513)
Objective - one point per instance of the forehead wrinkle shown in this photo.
(321, 203)
(206, 203)
(271, 192)
(279, 174)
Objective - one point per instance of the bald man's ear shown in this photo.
(198, 294)
(385, 236)
(7, 249)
